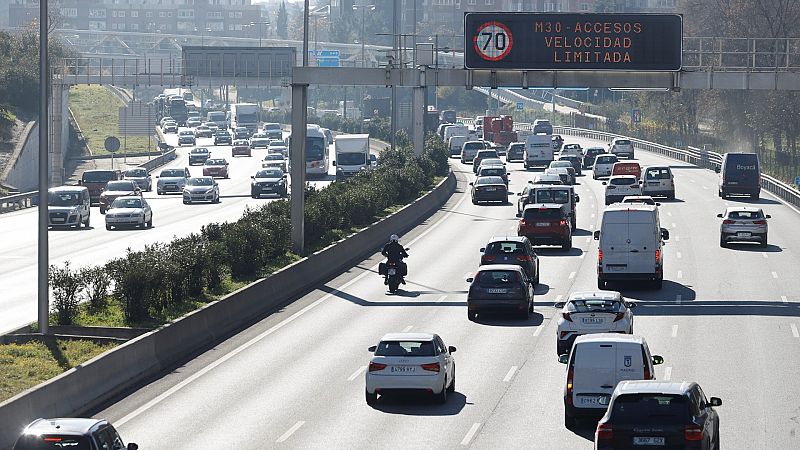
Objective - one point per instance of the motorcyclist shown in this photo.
(394, 252)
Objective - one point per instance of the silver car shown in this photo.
(132, 211)
(743, 224)
(201, 189)
(172, 180)
(141, 177)
(592, 312)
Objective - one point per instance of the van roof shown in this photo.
(631, 207)
(610, 337)
(654, 387)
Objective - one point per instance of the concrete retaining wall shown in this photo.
(87, 386)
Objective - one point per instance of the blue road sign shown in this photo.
(636, 115)
(520, 106)
(327, 58)
(797, 181)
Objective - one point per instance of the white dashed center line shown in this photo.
(290, 431)
(593, 215)
(794, 331)
(408, 328)
(784, 299)
(667, 373)
(678, 255)
(571, 275)
(441, 299)
(470, 434)
(775, 275)
(538, 330)
(705, 187)
(677, 238)
(510, 374)
(674, 225)
(680, 274)
(674, 330)
(764, 254)
(669, 213)
(356, 373)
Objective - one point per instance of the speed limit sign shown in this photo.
(493, 41)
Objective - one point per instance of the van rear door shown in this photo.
(630, 365)
(644, 238)
(614, 242)
(595, 374)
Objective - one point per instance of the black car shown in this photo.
(489, 189)
(268, 181)
(500, 288)
(241, 133)
(199, 155)
(659, 414)
(512, 250)
(222, 137)
(589, 154)
(575, 160)
(516, 152)
(483, 154)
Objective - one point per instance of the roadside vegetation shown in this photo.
(96, 110)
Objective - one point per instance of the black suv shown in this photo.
(589, 154)
(223, 137)
(512, 250)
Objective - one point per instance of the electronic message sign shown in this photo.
(540, 41)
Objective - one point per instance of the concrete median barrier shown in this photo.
(84, 388)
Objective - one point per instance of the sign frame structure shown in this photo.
(625, 42)
(229, 63)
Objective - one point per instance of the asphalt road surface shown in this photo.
(727, 318)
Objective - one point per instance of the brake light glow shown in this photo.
(566, 316)
(562, 222)
(600, 257)
(693, 433)
(604, 432)
(728, 222)
(52, 439)
(374, 367)
(759, 222)
(486, 258)
(432, 367)
(522, 222)
(523, 258)
(570, 378)
(658, 256)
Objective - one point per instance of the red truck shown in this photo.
(499, 130)
(95, 181)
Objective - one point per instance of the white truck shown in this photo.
(538, 150)
(244, 115)
(352, 155)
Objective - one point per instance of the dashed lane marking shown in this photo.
(674, 330)
(680, 274)
(356, 373)
(669, 213)
(764, 254)
(471, 434)
(775, 275)
(441, 299)
(290, 431)
(784, 299)
(571, 275)
(678, 255)
(408, 328)
(674, 225)
(794, 331)
(510, 374)
(667, 373)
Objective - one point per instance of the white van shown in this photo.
(68, 206)
(538, 150)
(658, 181)
(455, 143)
(470, 150)
(603, 165)
(631, 245)
(455, 130)
(596, 364)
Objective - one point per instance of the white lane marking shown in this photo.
(593, 215)
(680, 274)
(441, 299)
(794, 331)
(356, 373)
(291, 431)
(669, 213)
(408, 328)
(678, 255)
(775, 275)
(679, 298)
(538, 330)
(674, 330)
(510, 374)
(470, 434)
(764, 254)
(692, 181)
(558, 298)
(273, 329)
(667, 373)
(784, 299)
(571, 275)
(677, 238)
(705, 187)
(591, 227)
(674, 225)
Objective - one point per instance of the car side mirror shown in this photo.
(577, 198)
(604, 183)
(596, 235)
(470, 280)
(631, 304)
(657, 360)
(559, 304)
(768, 216)
(373, 348)
(451, 349)
(563, 359)
(80, 182)
(334, 163)
(132, 446)
(482, 250)
(471, 184)
(519, 194)
(715, 401)
(665, 234)
(716, 169)
(284, 175)
(658, 204)
(253, 177)
(719, 215)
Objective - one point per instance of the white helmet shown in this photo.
(394, 238)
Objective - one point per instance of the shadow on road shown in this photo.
(506, 320)
(419, 404)
(753, 247)
(391, 302)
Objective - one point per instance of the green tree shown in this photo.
(282, 27)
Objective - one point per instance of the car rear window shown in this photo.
(622, 142)
(560, 196)
(405, 348)
(542, 214)
(745, 215)
(488, 180)
(500, 248)
(136, 173)
(493, 171)
(497, 277)
(593, 305)
(52, 441)
(622, 181)
(119, 186)
(98, 177)
(663, 408)
(483, 154)
(608, 159)
(657, 174)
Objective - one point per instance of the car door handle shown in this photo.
(607, 386)
(634, 251)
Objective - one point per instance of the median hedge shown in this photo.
(148, 284)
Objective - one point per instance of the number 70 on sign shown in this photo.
(493, 41)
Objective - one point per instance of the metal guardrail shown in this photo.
(701, 158)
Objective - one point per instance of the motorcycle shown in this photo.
(393, 273)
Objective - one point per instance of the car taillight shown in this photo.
(658, 256)
(522, 222)
(728, 222)
(523, 258)
(562, 222)
(693, 433)
(432, 367)
(600, 257)
(570, 378)
(759, 222)
(566, 316)
(604, 432)
(619, 317)
(373, 366)
(487, 258)
(646, 370)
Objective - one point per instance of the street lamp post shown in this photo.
(260, 29)
(317, 13)
(363, 9)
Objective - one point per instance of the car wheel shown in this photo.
(567, 245)
(441, 397)
(569, 421)
(102, 210)
(536, 280)
(722, 241)
(755, 196)
(185, 202)
(658, 284)
(452, 387)
(254, 195)
(671, 195)
(150, 222)
(601, 284)
(764, 241)
(472, 316)
(525, 315)
(216, 200)
(372, 399)
(86, 223)
(474, 202)
(159, 192)
(530, 307)
(108, 227)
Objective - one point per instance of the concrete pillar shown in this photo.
(418, 119)
(57, 140)
(297, 159)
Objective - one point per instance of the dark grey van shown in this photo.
(740, 174)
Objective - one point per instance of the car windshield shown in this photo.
(186, 133)
(595, 150)
(594, 305)
(259, 136)
(487, 154)
(745, 215)
(315, 148)
(606, 159)
(556, 164)
(119, 186)
(200, 150)
(97, 177)
(351, 159)
(274, 157)
(544, 214)
(269, 173)
(572, 147)
(560, 196)
(272, 126)
(626, 181)
(136, 173)
(52, 442)
(127, 203)
(497, 277)
(661, 408)
(500, 248)
(657, 173)
(405, 348)
(200, 182)
(622, 142)
(215, 162)
(488, 180)
(493, 171)
(172, 173)
(63, 198)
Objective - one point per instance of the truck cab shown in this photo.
(352, 155)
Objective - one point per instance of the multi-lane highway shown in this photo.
(96, 245)
(726, 317)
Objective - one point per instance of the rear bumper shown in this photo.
(496, 305)
(546, 238)
(574, 411)
(739, 189)
(390, 383)
(733, 237)
(658, 192)
(494, 197)
(63, 221)
(605, 276)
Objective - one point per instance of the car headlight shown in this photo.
(75, 210)
(209, 191)
(281, 181)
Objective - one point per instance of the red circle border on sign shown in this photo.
(505, 52)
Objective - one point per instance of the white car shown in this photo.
(259, 140)
(547, 179)
(603, 165)
(621, 147)
(411, 361)
(275, 160)
(131, 211)
(561, 172)
(571, 149)
(279, 149)
(201, 189)
(592, 312)
(621, 186)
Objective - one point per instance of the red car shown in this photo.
(241, 148)
(546, 223)
(216, 167)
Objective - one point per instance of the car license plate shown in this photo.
(56, 219)
(392, 271)
(496, 291)
(593, 400)
(653, 183)
(615, 267)
(403, 369)
(743, 234)
(591, 320)
(542, 224)
(490, 189)
(648, 440)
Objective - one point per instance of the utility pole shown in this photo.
(297, 150)
(394, 88)
(43, 284)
